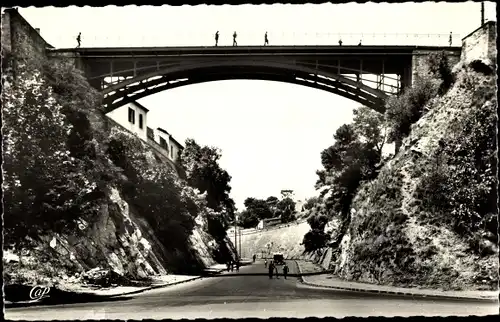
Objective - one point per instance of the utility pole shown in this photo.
(240, 242)
(482, 13)
(235, 235)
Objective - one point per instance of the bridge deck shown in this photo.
(250, 50)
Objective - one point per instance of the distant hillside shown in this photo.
(287, 239)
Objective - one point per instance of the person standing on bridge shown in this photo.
(266, 41)
(234, 39)
(254, 258)
(340, 42)
(79, 39)
(451, 39)
(216, 38)
(359, 43)
(271, 269)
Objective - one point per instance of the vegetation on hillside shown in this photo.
(426, 216)
(353, 158)
(204, 173)
(272, 207)
(62, 156)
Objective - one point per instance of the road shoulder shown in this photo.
(326, 280)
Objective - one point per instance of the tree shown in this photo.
(310, 203)
(286, 210)
(353, 158)
(258, 207)
(204, 173)
(45, 188)
(273, 203)
(248, 219)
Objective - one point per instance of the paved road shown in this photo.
(251, 296)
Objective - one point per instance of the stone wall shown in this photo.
(420, 65)
(22, 40)
(480, 44)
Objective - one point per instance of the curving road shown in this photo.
(243, 296)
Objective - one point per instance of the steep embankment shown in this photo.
(83, 193)
(429, 218)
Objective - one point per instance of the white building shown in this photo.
(168, 143)
(133, 117)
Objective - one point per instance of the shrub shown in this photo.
(403, 111)
(439, 66)
(314, 239)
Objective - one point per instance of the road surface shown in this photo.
(251, 296)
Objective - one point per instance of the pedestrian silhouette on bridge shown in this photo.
(234, 39)
(359, 43)
(266, 41)
(216, 38)
(285, 270)
(340, 42)
(450, 40)
(265, 263)
(254, 258)
(79, 39)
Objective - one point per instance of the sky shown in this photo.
(271, 134)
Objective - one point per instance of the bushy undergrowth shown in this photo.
(62, 156)
(48, 181)
(408, 108)
(458, 186)
(403, 111)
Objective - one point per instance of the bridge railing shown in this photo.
(257, 39)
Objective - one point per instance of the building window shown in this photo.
(140, 121)
(131, 115)
(163, 143)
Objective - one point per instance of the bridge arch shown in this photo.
(119, 93)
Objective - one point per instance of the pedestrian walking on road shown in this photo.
(265, 263)
(271, 269)
(232, 266)
(266, 41)
(254, 257)
(451, 39)
(216, 38)
(285, 270)
(79, 39)
(276, 271)
(234, 39)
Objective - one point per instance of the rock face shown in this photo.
(116, 238)
(393, 238)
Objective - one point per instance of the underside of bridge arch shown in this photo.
(132, 89)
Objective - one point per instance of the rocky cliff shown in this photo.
(430, 218)
(82, 193)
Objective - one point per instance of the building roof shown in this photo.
(140, 106)
(180, 145)
(162, 130)
(171, 137)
